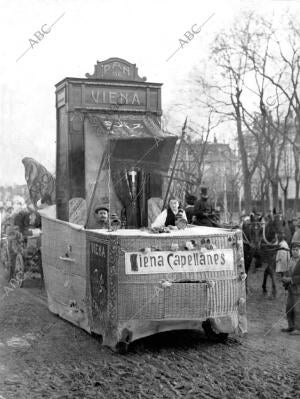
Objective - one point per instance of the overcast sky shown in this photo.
(143, 32)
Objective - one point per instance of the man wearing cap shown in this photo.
(101, 216)
(291, 283)
(203, 210)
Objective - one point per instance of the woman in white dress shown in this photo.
(283, 255)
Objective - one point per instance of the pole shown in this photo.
(106, 156)
(175, 162)
(225, 199)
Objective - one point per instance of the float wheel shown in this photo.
(211, 334)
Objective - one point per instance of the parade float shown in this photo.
(128, 281)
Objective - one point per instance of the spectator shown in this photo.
(204, 211)
(291, 283)
(283, 255)
(167, 218)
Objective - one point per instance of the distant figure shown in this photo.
(282, 255)
(204, 211)
(21, 219)
(101, 216)
(296, 235)
(189, 210)
(2, 210)
(167, 218)
(291, 283)
(290, 217)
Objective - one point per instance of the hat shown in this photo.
(295, 244)
(204, 192)
(101, 208)
(190, 199)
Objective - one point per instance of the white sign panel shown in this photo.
(178, 262)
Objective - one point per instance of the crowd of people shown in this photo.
(198, 212)
(16, 215)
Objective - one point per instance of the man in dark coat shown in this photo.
(292, 283)
(189, 210)
(204, 211)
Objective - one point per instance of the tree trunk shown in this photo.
(274, 186)
(296, 176)
(285, 197)
(244, 157)
(247, 194)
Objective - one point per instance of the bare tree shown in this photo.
(286, 84)
(227, 99)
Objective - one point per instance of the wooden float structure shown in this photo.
(132, 282)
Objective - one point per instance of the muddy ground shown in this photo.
(42, 356)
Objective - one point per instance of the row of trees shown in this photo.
(255, 87)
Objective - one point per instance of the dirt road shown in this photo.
(42, 356)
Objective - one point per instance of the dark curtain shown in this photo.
(135, 207)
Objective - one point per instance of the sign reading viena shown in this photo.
(116, 96)
(178, 262)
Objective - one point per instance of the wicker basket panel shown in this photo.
(147, 301)
(140, 301)
(223, 298)
(185, 301)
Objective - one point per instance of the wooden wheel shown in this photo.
(219, 337)
(19, 269)
(122, 347)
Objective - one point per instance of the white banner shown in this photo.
(178, 262)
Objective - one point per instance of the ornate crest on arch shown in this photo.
(116, 69)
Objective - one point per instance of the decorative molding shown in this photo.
(112, 305)
(116, 69)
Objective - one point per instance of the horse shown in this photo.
(252, 233)
(269, 247)
(260, 243)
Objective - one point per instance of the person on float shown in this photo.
(102, 217)
(167, 218)
(189, 209)
(291, 282)
(204, 211)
